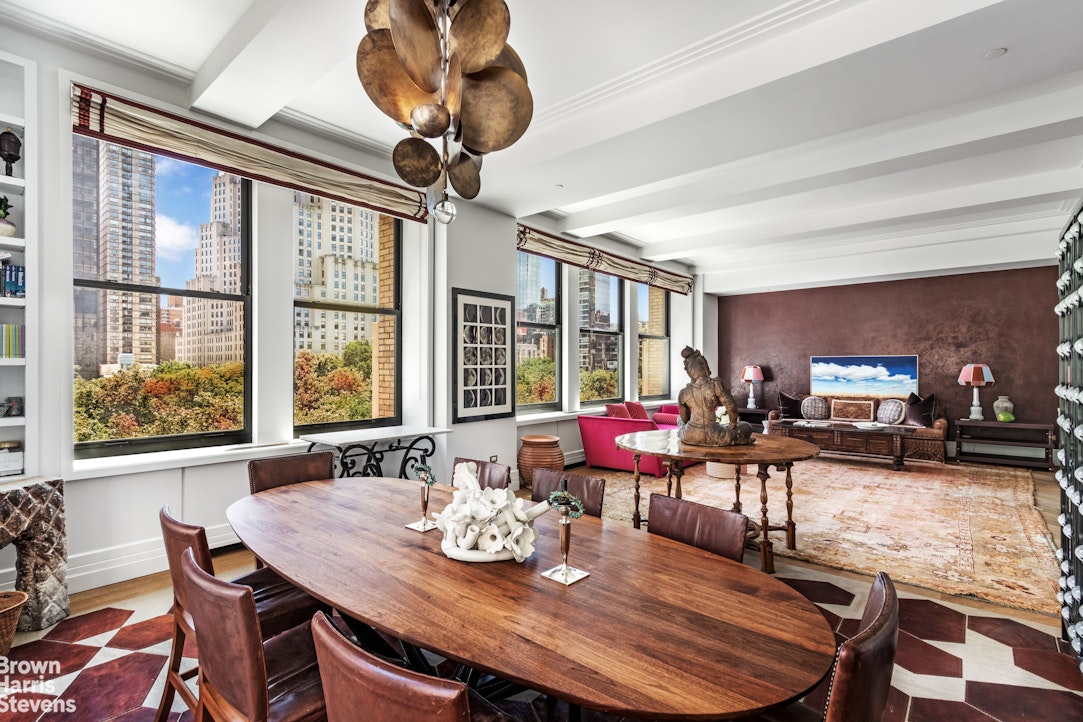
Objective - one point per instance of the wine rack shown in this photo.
(1069, 310)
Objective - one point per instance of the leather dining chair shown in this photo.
(242, 675)
(275, 471)
(360, 686)
(707, 527)
(861, 679)
(491, 474)
(278, 603)
(588, 489)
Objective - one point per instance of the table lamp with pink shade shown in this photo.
(976, 375)
(753, 375)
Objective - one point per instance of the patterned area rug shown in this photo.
(962, 529)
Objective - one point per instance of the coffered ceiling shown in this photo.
(767, 144)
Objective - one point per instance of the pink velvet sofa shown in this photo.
(598, 434)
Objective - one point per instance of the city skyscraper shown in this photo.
(336, 250)
(213, 329)
(89, 345)
(597, 351)
(113, 236)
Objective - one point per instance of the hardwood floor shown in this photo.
(228, 563)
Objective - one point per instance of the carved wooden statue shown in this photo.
(696, 405)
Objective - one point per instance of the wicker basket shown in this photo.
(11, 604)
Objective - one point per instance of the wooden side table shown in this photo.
(767, 451)
(756, 417)
(989, 439)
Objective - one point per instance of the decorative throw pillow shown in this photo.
(636, 410)
(789, 406)
(814, 408)
(919, 411)
(619, 411)
(891, 411)
(851, 410)
(661, 417)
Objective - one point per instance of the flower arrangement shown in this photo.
(5, 206)
(562, 497)
(483, 525)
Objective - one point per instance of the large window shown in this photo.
(601, 327)
(346, 315)
(537, 333)
(652, 312)
(162, 302)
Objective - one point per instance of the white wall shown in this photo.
(477, 253)
(112, 505)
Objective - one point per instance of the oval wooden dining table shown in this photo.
(659, 630)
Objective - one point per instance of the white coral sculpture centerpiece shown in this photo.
(483, 525)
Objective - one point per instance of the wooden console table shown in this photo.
(767, 451)
(32, 518)
(361, 451)
(992, 436)
(846, 438)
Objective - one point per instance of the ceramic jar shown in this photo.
(1003, 405)
(538, 452)
(7, 228)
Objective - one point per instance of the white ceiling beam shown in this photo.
(1012, 123)
(273, 54)
(817, 250)
(1011, 251)
(1007, 193)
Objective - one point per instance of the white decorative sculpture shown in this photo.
(486, 525)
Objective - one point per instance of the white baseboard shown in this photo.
(102, 567)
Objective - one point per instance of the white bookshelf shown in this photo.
(18, 376)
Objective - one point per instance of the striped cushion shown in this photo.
(891, 411)
(814, 408)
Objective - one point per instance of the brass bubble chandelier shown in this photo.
(442, 70)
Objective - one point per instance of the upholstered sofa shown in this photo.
(914, 428)
(599, 433)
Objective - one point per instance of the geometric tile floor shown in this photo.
(955, 662)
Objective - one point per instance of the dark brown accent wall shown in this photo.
(1001, 318)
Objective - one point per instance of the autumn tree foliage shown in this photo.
(178, 398)
(536, 381)
(597, 384)
(329, 388)
(171, 398)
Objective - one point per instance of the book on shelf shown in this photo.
(12, 340)
(14, 281)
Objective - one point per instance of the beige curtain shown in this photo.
(109, 118)
(565, 251)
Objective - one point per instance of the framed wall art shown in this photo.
(484, 370)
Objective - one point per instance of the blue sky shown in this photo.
(184, 193)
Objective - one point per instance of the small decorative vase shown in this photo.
(7, 228)
(1003, 408)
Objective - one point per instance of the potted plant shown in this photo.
(7, 228)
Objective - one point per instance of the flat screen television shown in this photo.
(878, 377)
